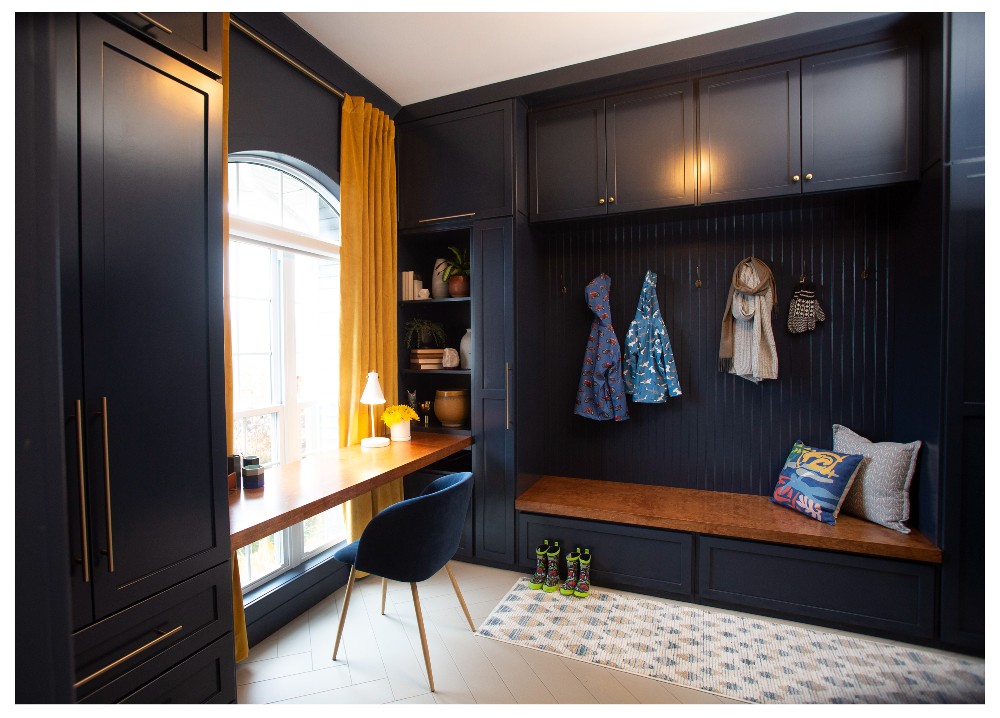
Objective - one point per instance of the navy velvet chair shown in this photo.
(410, 542)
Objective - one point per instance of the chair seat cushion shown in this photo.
(347, 554)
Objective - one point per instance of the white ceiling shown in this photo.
(422, 55)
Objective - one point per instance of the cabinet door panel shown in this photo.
(860, 115)
(651, 151)
(194, 35)
(461, 163)
(568, 162)
(152, 297)
(749, 133)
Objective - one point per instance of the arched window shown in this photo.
(284, 274)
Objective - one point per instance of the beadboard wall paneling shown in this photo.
(724, 433)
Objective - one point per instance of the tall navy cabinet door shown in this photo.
(651, 150)
(749, 133)
(567, 150)
(860, 117)
(493, 390)
(151, 283)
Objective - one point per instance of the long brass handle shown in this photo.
(107, 486)
(83, 490)
(506, 392)
(162, 637)
(450, 216)
(153, 22)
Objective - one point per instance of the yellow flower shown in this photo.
(397, 413)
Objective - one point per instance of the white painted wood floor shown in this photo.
(380, 658)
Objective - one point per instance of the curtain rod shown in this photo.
(281, 55)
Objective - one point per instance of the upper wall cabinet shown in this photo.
(835, 121)
(195, 36)
(458, 165)
(625, 153)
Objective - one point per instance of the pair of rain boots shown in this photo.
(546, 576)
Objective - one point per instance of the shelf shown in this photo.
(408, 302)
(461, 372)
(420, 428)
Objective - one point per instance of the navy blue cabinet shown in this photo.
(625, 153)
(142, 340)
(840, 120)
(195, 37)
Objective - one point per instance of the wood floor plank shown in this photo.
(599, 682)
(478, 672)
(369, 692)
(298, 685)
(561, 682)
(521, 680)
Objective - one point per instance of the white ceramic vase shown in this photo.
(439, 287)
(400, 431)
(465, 350)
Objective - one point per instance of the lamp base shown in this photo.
(374, 442)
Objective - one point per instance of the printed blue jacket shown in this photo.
(601, 395)
(650, 374)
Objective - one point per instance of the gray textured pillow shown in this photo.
(881, 490)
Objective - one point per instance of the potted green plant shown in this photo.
(455, 271)
(424, 333)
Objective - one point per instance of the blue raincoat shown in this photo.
(650, 374)
(601, 395)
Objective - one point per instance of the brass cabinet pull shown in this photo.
(162, 637)
(107, 486)
(153, 22)
(506, 393)
(809, 176)
(600, 201)
(795, 178)
(83, 490)
(611, 200)
(450, 216)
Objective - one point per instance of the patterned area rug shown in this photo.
(738, 657)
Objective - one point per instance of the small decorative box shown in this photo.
(253, 477)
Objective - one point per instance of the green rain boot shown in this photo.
(572, 570)
(535, 582)
(552, 577)
(582, 589)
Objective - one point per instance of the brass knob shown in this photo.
(809, 176)
(600, 201)
(795, 178)
(611, 200)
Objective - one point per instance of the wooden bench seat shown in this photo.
(718, 514)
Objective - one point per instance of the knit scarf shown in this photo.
(747, 347)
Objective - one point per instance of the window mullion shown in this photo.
(293, 443)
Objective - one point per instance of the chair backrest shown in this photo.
(412, 540)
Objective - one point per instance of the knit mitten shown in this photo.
(535, 582)
(804, 310)
(552, 575)
(572, 571)
(582, 589)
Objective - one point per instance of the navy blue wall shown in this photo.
(724, 433)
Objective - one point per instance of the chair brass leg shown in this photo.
(423, 634)
(461, 599)
(343, 612)
(385, 584)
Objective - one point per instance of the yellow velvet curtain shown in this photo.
(367, 284)
(239, 618)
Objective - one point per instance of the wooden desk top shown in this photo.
(295, 492)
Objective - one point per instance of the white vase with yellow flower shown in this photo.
(398, 417)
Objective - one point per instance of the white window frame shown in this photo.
(284, 242)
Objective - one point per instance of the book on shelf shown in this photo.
(407, 288)
(427, 352)
(426, 367)
(427, 360)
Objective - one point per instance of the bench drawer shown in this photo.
(860, 592)
(627, 557)
(205, 677)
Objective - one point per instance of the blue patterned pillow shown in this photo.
(815, 482)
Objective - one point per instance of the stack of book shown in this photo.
(406, 286)
(426, 358)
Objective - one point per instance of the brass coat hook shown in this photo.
(802, 274)
(697, 281)
(865, 273)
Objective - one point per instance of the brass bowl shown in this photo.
(451, 407)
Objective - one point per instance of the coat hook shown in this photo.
(802, 274)
(562, 281)
(865, 273)
(697, 281)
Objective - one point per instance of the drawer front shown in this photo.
(627, 557)
(860, 592)
(124, 651)
(209, 676)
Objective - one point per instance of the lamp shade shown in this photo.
(373, 391)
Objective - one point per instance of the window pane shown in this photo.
(300, 206)
(259, 437)
(323, 530)
(254, 382)
(251, 273)
(261, 558)
(260, 193)
(252, 326)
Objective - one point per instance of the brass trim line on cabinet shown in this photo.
(162, 637)
(450, 216)
(107, 485)
(83, 490)
(506, 393)
(154, 23)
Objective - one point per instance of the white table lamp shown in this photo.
(373, 395)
